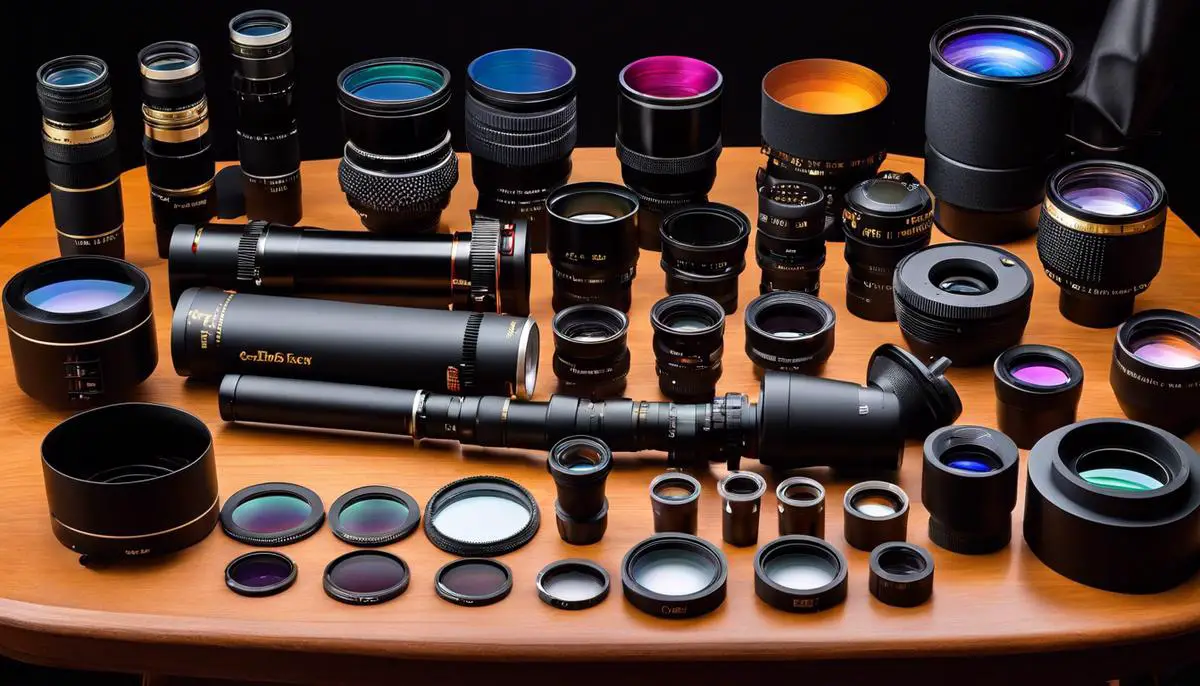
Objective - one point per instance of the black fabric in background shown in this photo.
(743, 39)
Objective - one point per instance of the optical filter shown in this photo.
(481, 516)
(674, 499)
(875, 512)
(374, 516)
(704, 251)
(272, 514)
(1037, 391)
(801, 507)
(789, 332)
(1156, 369)
(572, 584)
(901, 574)
(675, 576)
(800, 574)
(969, 486)
(260, 573)
(366, 577)
(473, 582)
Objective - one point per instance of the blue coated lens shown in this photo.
(1108, 192)
(521, 71)
(969, 466)
(72, 76)
(263, 29)
(970, 458)
(78, 295)
(1000, 53)
(396, 82)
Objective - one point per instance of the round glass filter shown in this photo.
(572, 584)
(800, 574)
(374, 516)
(260, 573)
(78, 295)
(366, 577)
(473, 581)
(1000, 53)
(674, 575)
(272, 514)
(481, 516)
(1166, 349)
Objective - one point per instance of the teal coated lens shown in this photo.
(393, 82)
(271, 513)
(373, 516)
(1121, 479)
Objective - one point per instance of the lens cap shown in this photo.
(474, 581)
(272, 514)
(481, 516)
(572, 584)
(260, 573)
(374, 516)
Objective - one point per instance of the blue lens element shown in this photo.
(396, 82)
(969, 465)
(999, 53)
(259, 29)
(72, 76)
(78, 295)
(521, 71)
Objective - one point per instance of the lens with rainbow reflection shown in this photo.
(1156, 369)
(272, 514)
(1000, 53)
(374, 516)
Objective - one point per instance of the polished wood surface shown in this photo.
(174, 615)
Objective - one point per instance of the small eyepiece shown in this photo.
(1156, 369)
(704, 251)
(969, 486)
(674, 499)
(875, 512)
(741, 494)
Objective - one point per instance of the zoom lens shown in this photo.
(668, 135)
(969, 486)
(215, 332)
(591, 357)
(790, 244)
(1037, 391)
(268, 137)
(964, 301)
(592, 244)
(82, 161)
(689, 340)
(1005, 76)
(580, 466)
(674, 576)
(179, 157)
(520, 125)
(398, 168)
(485, 269)
(1156, 369)
(1101, 238)
(789, 332)
(824, 122)
(704, 251)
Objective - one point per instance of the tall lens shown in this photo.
(1004, 76)
(689, 333)
(268, 138)
(1156, 369)
(520, 125)
(1101, 238)
(398, 168)
(592, 244)
(82, 162)
(704, 251)
(790, 244)
(591, 357)
(179, 156)
(668, 135)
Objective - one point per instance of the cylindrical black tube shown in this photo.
(591, 354)
(704, 251)
(969, 486)
(1155, 370)
(689, 342)
(741, 497)
(801, 507)
(1037, 391)
(592, 244)
(580, 466)
(215, 332)
(675, 502)
(874, 512)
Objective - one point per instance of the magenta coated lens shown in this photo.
(1043, 375)
(671, 77)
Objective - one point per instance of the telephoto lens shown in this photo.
(180, 165)
(875, 512)
(689, 341)
(964, 301)
(80, 330)
(675, 501)
(800, 574)
(789, 332)
(1101, 238)
(485, 269)
(1155, 371)
(668, 135)
(824, 122)
(886, 219)
(592, 244)
(268, 136)
(801, 507)
(82, 162)
(969, 486)
(741, 497)
(398, 167)
(790, 242)
(151, 489)
(1037, 391)
(591, 356)
(520, 126)
(674, 576)
(215, 332)
(704, 251)
(1008, 77)
(1114, 504)
(580, 467)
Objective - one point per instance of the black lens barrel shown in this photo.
(592, 244)
(969, 486)
(689, 342)
(789, 332)
(591, 354)
(741, 497)
(1149, 390)
(790, 242)
(580, 467)
(1027, 410)
(704, 251)
(675, 502)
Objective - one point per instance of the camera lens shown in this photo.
(179, 158)
(801, 507)
(481, 515)
(741, 493)
(675, 498)
(520, 125)
(969, 486)
(592, 244)
(1006, 76)
(689, 332)
(1155, 370)
(901, 574)
(591, 357)
(824, 122)
(789, 332)
(704, 251)
(674, 576)
(260, 573)
(875, 512)
(82, 162)
(398, 168)
(1037, 391)
(668, 135)
(473, 582)
(572, 584)
(272, 514)
(80, 330)
(580, 467)
(1101, 238)
(374, 516)
(964, 301)
(366, 577)
(790, 245)
(800, 574)
(1114, 504)
(268, 138)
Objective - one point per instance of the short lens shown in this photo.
(78, 295)
(688, 345)
(674, 571)
(591, 356)
(999, 53)
(1155, 371)
(704, 251)
(393, 83)
(270, 514)
(592, 244)
(1121, 469)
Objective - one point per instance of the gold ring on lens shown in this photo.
(59, 133)
(1083, 226)
(176, 135)
(170, 74)
(84, 190)
(183, 192)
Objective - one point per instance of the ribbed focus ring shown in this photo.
(485, 246)
(247, 251)
(79, 154)
(80, 175)
(523, 150)
(427, 189)
(668, 166)
(1111, 262)
(470, 353)
(934, 330)
(482, 115)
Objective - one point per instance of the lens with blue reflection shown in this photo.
(970, 458)
(72, 76)
(521, 71)
(78, 295)
(1107, 191)
(1000, 53)
(393, 82)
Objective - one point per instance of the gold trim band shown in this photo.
(184, 192)
(176, 118)
(1084, 226)
(102, 186)
(174, 135)
(56, 132)
(96, 235)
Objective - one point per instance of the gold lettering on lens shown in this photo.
(1083, 226)
(269, 357)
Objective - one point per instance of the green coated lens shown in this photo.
(373, 516)
(1121, 479)
(393, 82)
(270, 514)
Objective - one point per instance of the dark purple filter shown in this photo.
(260, 571)
(474, 578)
(271, 513)
(670, 76)
(368, 573)
(1042, 375)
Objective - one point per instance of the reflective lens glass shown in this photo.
(78, 295)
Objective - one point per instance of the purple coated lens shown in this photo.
(670, 77)
(474, 579)
(1039, 374)
(260, 571)
(368, 573)
(999, 53)
(271, 513)
(1168, 350)
(1107, 191)
(78, 295)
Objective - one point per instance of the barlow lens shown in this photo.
(268, 138)
(82, 162)
(399, 167)
(675, 499)
(689, 341)
(800, 574)
(674, 576)
(1004, 76)
(1156, 369)
(1037, 391)
(801, 507)
(969, 486)
(1101, 238)
(483, 270)
(741, 493)
(790, 245)
(592, 244)
(789, 332)
(179, 157)
(591, 357)
(215, 332)
(668, 135)
(704, 251)
(520, 126)
(580, 466)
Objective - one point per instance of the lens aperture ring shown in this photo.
(484, 260)
(668, 166)
(425, 189)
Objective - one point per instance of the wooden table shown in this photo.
(175, 616)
